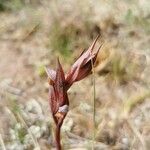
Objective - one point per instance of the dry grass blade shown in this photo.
(137, 134)
(35, 142)
(17, 115)
(130, 104)
(81, 139)
(2, 143)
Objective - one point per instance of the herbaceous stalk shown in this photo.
(59, 83)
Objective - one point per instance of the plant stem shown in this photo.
(57, 137)
(94, 110)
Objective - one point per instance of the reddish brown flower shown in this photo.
(83, 65)
(59, 84)
(58, 98)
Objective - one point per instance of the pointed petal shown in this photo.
(96, 54)
(60, 71)
(60, 85)
(93, 55)
(90, 49)
(93, 44)
(85, 55)
(53, 100)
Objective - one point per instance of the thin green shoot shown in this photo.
(94, 106)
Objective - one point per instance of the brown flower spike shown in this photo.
(59, 84)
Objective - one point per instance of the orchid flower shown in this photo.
(83, 65)
(58, 99)
(60, 83)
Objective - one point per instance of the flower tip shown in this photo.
(60, 72)
(97, 36)
(91, 48)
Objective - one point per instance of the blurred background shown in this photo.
(34, 32)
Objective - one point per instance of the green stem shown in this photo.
(94, 110)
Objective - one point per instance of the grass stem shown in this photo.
(94, 110)
(2, 143)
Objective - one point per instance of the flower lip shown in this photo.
(64, 108)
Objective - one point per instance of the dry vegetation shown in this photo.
(34, 32)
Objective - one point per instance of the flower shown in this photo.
(83, 65)
(58, 97)
(59, 84)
